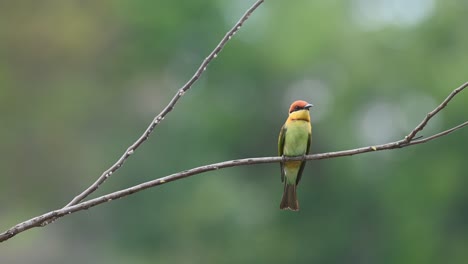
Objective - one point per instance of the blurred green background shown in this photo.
(81, 80)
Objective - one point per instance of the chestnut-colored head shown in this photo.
(299, 105)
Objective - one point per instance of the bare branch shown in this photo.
(443, 133)
(434, 112)
(130, 150)
(46, 218)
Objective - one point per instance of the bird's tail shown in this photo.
(289, 200)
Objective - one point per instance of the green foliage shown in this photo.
(80, 80)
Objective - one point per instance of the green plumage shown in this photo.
(295, 141)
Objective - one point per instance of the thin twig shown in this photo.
(130, 150)
(423, 123)
(46, 218)
(443, 133)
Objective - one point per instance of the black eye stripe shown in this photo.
(296, 108)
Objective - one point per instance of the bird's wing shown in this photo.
(301, 169)
(281, 138)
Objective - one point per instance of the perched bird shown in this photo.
(294, 140)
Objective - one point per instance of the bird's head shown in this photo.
(299, 105)
(299, 110)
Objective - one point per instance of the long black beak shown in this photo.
(308, 106)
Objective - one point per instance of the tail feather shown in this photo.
(289, 200)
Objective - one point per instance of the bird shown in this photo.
(294, 140)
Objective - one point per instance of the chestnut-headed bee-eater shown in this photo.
(294, 140)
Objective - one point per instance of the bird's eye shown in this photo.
(297, 107)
